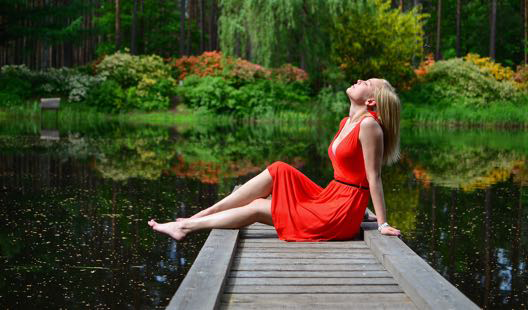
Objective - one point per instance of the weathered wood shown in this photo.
(317, 301)
(302, 261)
(293, 267)
(49, 103)
(307, 245)
(311, 274)
(302, 250)
(307, 289)
(311, 281)
(203, 284)
(323, 255)
(424, 286)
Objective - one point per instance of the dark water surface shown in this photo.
(73, 212)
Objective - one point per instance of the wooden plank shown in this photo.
(293, 267)
(365, 255)
(311, 289)
(202, 286)
(320, 306)
(317, 301)
(291, 245)
(311, 274)
(301, 250)
(426, 287)
(302, 261)
(311, 281)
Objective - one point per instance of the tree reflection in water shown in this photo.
(74, 211)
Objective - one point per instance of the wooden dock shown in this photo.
(252, 269)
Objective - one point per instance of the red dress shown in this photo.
(304, 211)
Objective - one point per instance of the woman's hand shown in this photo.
(390, 231)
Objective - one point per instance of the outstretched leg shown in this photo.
(258, 187)
(258, 210)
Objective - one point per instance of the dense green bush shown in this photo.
(66, 82)
(458, 81)
(107, 96)
(145, 80)
(220, 95)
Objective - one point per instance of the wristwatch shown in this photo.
(380, 227)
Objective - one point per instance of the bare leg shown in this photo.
(258, 187)
(257, 211)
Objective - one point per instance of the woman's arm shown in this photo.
(371, 138)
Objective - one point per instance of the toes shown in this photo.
(152, 223)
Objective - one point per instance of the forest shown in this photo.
(253, 57)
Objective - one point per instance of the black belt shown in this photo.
(350, 184)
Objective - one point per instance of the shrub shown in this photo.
(461, 81)
(107, 96)
(57, 82)
(334, 103)
(219, 95)
(147, 81)
(239, 70)
(488, 66)
(521, 77)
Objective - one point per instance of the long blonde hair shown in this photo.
(388, 109)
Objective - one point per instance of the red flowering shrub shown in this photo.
(209, 63)
(425, 65)
(289, 74)
(215, 64)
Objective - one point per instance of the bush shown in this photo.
(107, 96)
(65, 82)
(456, 80)
(219, 95)
(146, 80)
(238, 70)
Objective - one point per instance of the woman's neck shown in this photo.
(356, 112)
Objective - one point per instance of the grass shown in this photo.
(496, 115)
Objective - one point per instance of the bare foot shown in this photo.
(174, 229)
(181, 219)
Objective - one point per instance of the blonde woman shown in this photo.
(301, 210)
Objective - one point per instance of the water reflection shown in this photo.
(73, 211)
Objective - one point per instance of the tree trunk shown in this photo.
(141, 45)
(438, 30)
(117, 24)
(212, 28)
(493, 28)
(525, 45)
(458, 9)
(133, 39)
(202, 26)
(182, 27)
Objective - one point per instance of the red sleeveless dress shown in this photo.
(303, 211)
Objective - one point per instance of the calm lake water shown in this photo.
(74, 211)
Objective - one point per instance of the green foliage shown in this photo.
(333, 103)
(219, 95)
(459, 81)
(107, 96)
(373, 40)
(146, 80)
(475, 31)
(264, 31)
(129, 70)
(65, 82)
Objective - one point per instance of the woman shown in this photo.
(301, 210)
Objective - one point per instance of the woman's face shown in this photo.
(363, 90)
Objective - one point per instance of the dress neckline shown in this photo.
(348, 134)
